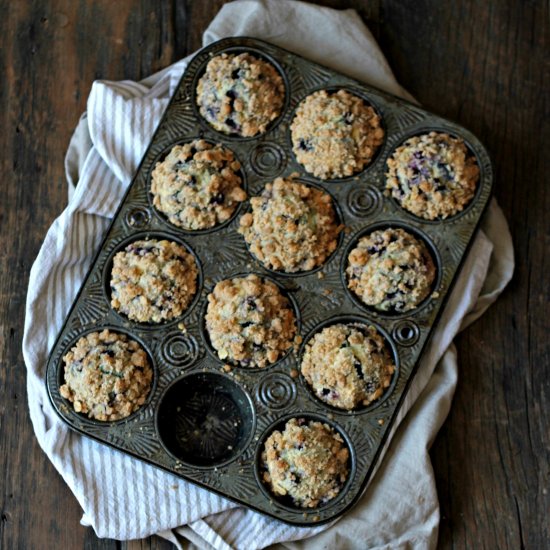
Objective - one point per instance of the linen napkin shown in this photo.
(123, 498)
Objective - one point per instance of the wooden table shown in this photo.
(479, 63)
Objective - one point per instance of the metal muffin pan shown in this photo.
(207, 425)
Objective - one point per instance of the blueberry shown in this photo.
(231, 123)
(325, 391)
(393, 238)
(297, 479)
(230, 94)
(348, 117)
(358, 369)
(251, 303)
(211, 113)
(372, 249)
(217, 199)
(391, 295)
(246, 324)
(192, 181)
(109, 352)
(112, 397)
(418, 155)
(304, 145)
(370, 386)
(236, 74)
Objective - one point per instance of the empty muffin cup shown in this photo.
(205, 419)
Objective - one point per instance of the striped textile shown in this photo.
(123, 498)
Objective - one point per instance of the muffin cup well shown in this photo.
(236, 50)
(163, 218)
(206, 338)
(286, 502)
(358, 322)
(108, 267)
(83, 418)
(415, 232)
(205, 420)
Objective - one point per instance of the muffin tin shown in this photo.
(205, 420)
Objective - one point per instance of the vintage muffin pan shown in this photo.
(206, 419)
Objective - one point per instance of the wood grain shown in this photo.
(483, 64)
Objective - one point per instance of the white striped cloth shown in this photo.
(123, 498)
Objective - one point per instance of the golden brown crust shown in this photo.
(432, 176)
(240, 94)
(391, 270)
(107, 376)
(292, 227)
(153, 281)
(335, 135)
(249, 321)
(307, 461)
(197, 186)
(348, 365)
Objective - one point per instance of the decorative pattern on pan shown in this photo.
(94, 304)
(363, 443)
(140, 438)
(240, 485)
(316, 299)
(268, 159)
(179, 349)
(405, 117)
(182, 122)
(314, 76)
(216, 249)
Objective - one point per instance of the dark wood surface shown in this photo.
(483, 64)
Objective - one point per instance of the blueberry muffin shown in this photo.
(307, 461)
(249, 321)
(107, 376)
(153, 281)
(240, 94)
(292, 227)
(433, 176)
(347, 365)
(197, 186)
(390, 270)
(335, 135)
